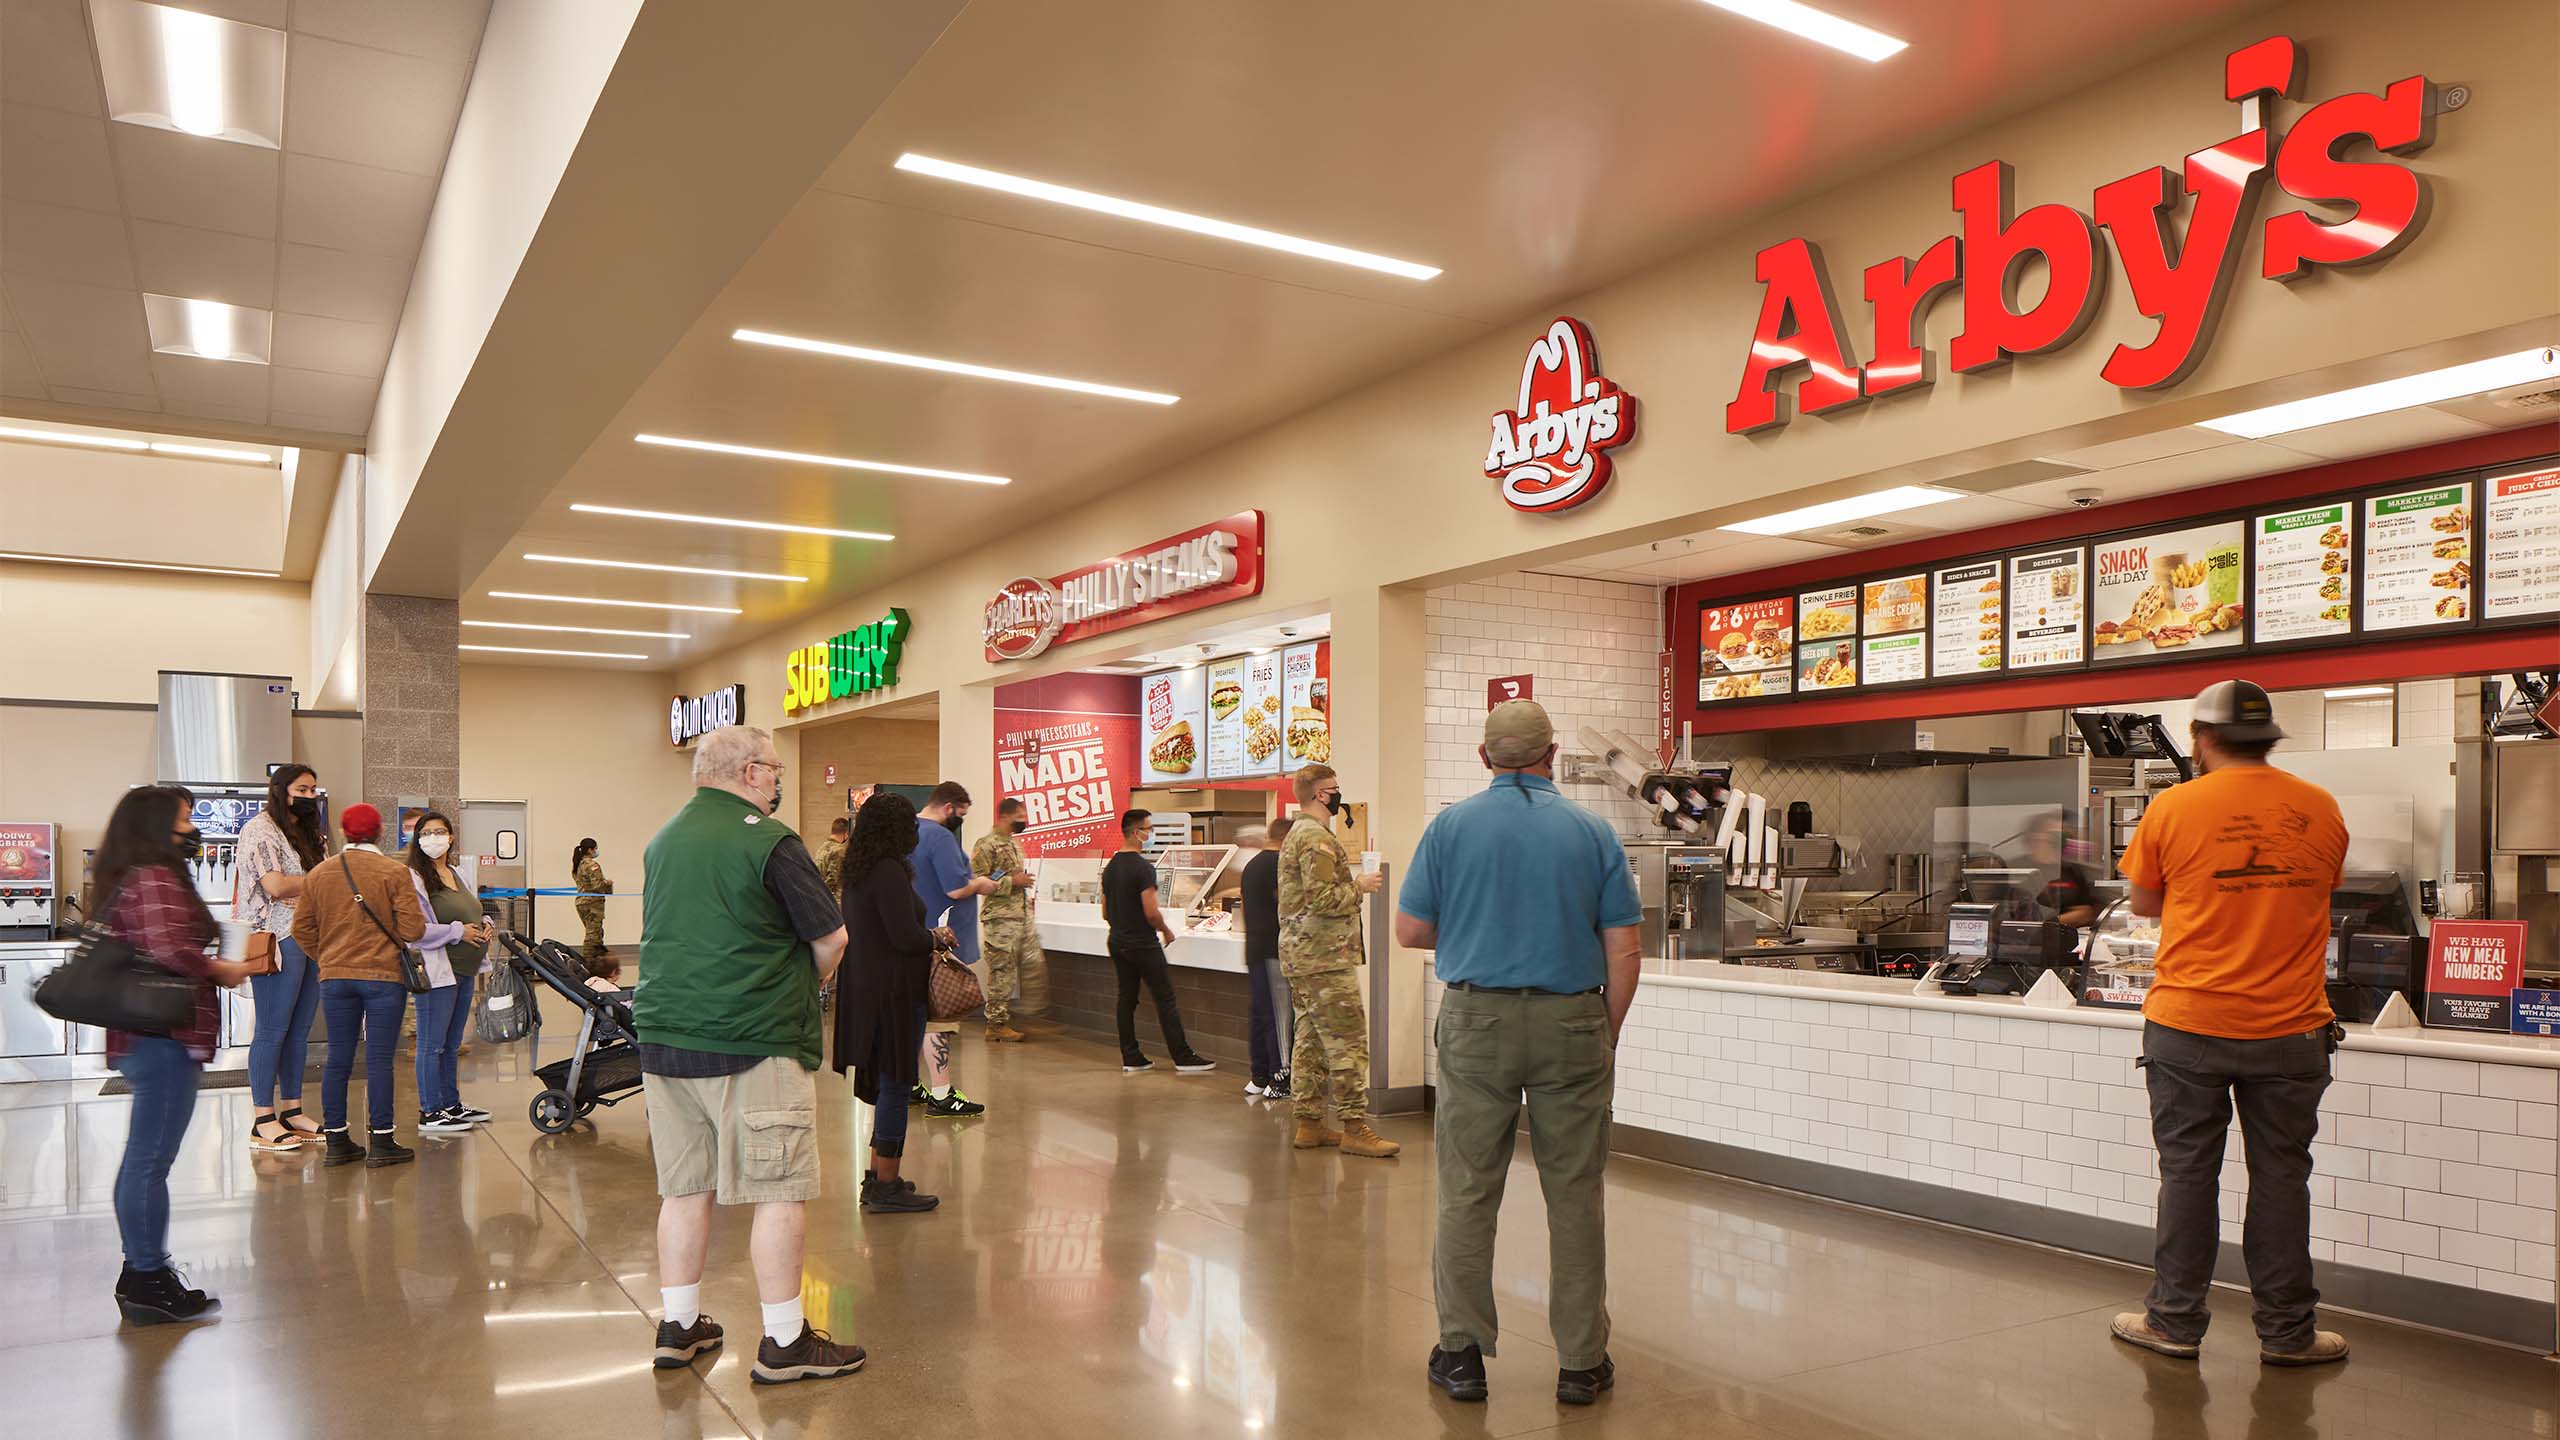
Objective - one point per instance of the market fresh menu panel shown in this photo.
(2046, 601)
(1965, 625)
(2520, 544)
(2417, 558)
(1746, 651)
(2306, 584)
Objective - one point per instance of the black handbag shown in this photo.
(110, 984)
(413, 966)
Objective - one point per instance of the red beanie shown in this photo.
(362, 823)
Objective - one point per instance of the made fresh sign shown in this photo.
(689, 720)
(1551, 451)
(1206, 566)
(854, 663)
(2180, 281)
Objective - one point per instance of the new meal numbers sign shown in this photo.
(2473, 969)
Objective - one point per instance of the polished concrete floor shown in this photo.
(1114, 1257)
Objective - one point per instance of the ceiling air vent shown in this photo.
(2530, 400)
(1866, 532)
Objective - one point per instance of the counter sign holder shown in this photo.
(2473, 970)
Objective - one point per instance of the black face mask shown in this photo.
(304, 807)
(1339, 805)
(190, 846)
(1018, 826)
(951, 823)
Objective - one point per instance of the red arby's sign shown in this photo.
(1551, 451)
(2178, 279)
(1207, 565)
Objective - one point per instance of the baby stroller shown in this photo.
(604, 1068)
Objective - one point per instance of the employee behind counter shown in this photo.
(2057, 889)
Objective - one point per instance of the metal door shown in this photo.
(495, 837)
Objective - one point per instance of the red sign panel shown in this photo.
(26, 853)
(1663, 692)
(1203, 566)
(1510, 687)
(1551, 451)
(2472, 965)
(1072, 774)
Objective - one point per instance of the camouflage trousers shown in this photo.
(1015, 961)
(591, 914)
(1331, 1055)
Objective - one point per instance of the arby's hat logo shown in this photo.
(1551, 452)
(1022, 619)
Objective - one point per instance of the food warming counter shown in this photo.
(35, 1046)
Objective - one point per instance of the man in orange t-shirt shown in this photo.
(2238, 864)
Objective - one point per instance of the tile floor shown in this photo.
(1114, 1257)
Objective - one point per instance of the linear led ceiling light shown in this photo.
(952, 367)
(2358, 692)
(1841, 512)
(576, 630)
(137, 565)
(803, 457)
(198, 74)
(2425, 388)
(627, 604)
(1158, 215)
(1818, 26)
(207, 329)
(573, 654)
(126, 443)
(731, 523)
(668, 569)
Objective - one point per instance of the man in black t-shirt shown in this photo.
(1272, 1016)
(1135, 920)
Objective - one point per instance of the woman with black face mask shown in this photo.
(285, 840)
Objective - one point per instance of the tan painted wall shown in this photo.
(65, 501)
(71, 633)
(864, 752)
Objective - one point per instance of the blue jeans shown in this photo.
(163, 1076)
(889, 1107)
(372, 1006)
(443, 1015)
(285, 1002)
(1273, 1019)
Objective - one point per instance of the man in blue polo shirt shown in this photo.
(1527, 899)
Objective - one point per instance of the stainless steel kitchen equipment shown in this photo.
(223, 729)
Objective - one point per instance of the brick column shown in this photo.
(412, 701)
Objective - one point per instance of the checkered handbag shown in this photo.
(953, 989)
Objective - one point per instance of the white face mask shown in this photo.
(435, 845)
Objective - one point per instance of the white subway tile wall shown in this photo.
(2437, 1169)
(1590, 644)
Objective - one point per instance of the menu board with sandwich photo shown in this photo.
(2520, 546)
(2045, 605)
(1226, 718)
(2174, 591)
(1169, 725)
(1306, 707)
(1965, 620)
(1261, 714)
(2306, 578)
(2417, 558)
(1746, 651)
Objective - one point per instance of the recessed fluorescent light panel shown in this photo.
(1841, 512)
(572, 654)
(803, 457)
(731, 522)
(952, 367)
(626, 604)
(194, 73)
(1818, 26)
(1157, 215)
(668, 569)
(575, 630)
(127, 443)
(137, 565)
(2426, 388)
(2357, 692)
(207, 329)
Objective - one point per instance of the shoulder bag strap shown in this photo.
(396, 941)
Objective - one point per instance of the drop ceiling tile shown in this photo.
(189, 180)
(56, 157)
(19, 378)
(57, 242)
(2159, 445)
(345, 400)
(189, 384)
(371, 107)
(84, 335)
(205, 264)
(341, 285)
(44, 56)
(354, 207)
(2164, 476)
(341, 347)
(106, 399)
(270, 13)
(2373, 434)
(446, 30)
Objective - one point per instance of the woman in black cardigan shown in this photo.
(880, 993)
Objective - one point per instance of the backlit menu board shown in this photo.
(2520, 546)
(1747, 650)
(1896, 606)
(2306, 588)
(1169, 726)
(1827, 665)
(2182, 589)
(2417, 558)
(1827, 638)
(2045, 603)
(1965, 620)
(1306, 707)
(1226, 718)
(1894, 659)
(1262, 713)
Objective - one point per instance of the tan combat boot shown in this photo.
(1005, 1035)
(1312, 1135)
(1359, 1139)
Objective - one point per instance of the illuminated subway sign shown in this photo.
(689, 720)
(856, 662)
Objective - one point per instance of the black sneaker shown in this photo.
(811, 1357)
(1460, 1373)
(917, 1095)
(954, 1103)
(472, 1113)
(1139, 1066)
(386, 1149)
(895, 1197)
(1194, 1064)
(1582, 1387)
(341, 1150)
(678, 1344)
(442, 1122)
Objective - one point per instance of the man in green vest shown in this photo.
(737, 934)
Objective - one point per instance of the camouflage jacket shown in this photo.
(1319, 902)
(591, 880)
(999, 855)
(830, 858)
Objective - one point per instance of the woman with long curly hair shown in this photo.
(880, 1000)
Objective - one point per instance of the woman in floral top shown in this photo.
(285, 840)
(152, 906)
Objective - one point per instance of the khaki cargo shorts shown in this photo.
(751, 1137)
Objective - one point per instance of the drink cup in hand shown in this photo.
(235, 940)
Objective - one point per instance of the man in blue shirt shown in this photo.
(950, 895)
(1527, 901)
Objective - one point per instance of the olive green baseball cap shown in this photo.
(1517, 732)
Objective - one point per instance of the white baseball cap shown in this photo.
(2237, 710)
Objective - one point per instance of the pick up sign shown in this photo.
(2472, 968)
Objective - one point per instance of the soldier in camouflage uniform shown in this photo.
(1320, 895)
(592, 888)
(1007, 939)
(830, 856)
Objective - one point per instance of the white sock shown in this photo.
(684, 1303)
(941, 1092)
(783, 1322)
